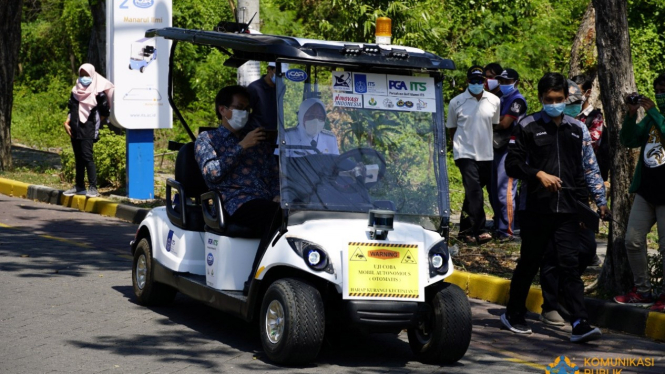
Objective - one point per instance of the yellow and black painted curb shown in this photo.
(606, 314)
(602, 313)
(85, 204)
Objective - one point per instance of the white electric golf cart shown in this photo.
(363, 240)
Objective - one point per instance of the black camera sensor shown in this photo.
(634, 99)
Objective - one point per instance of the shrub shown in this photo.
(109, 155)
(656, 272)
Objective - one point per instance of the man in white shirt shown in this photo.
(472, 114)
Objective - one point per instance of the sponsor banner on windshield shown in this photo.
(369, 84)
(348, 100)
(411, 87)
(342, 82)
(398, 103)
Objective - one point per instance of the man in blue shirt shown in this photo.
(503, 188)
(239, 164)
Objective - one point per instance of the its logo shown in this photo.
(562, 365)
(296, 75)
(144, 3)
(210, 259)
(360, 83)
(383, 254)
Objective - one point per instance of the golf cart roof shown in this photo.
(262, 47)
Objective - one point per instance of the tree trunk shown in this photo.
(584, 54)
(97, 46)
(10, 44)
(615, 74)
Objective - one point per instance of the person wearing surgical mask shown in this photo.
(238, 163)
(263, 100)
(471, 116)
(491, 83)
(309, 137)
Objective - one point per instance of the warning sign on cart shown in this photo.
(383, 270)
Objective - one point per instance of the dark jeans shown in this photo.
(475, 176)
(538, 230)
(549, 276)
(83, 159)
(264, 216)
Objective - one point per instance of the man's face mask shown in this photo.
(238, 119)
(573, 110)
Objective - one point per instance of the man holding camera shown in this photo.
(648, 181)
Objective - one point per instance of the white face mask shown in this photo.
(238, 119)
(313, 127)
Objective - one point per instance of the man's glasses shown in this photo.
(476, 81)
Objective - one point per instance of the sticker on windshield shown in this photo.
(383, 270)
(296, 75)
(411, 87)
(348, 100)
(341, 81)
(369, 84)
(399, 103)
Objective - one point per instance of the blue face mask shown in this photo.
(506, 89)
(85, 81)
(475, 89)
(573, 110)
(554, 110)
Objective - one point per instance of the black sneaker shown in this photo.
(584, 332)
(74, 191)
(92, 192)
(516, 324)
(596, 261)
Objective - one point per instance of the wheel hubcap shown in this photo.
(275, 321)
(141, 272)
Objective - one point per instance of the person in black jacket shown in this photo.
(89, 106)
(545, 152)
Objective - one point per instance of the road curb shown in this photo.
(50, 195)
(602, 313)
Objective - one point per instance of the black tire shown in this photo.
(130, 66)
(444, 336)
(141, 69)
(303, 321)
(147, 291)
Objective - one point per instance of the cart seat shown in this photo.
(185, 210)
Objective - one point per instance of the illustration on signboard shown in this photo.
(143, 94)
(142, 54)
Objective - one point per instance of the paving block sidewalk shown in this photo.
(602, 313)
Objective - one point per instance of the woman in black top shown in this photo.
(89, 105)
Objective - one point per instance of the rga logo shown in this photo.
(296, 75)
(212, 241)
(144, 3)
(401, 85)
(210, 259)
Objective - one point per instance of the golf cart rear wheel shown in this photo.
(444, 336)
(292, 321)
(142, 69)
(147, 291)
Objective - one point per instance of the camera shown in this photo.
(634, 99)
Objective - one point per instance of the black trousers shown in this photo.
(264, 216)
(537, 231)
(84, 161)
(549, 275)
(475, 176)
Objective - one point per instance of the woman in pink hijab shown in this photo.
(89, 106)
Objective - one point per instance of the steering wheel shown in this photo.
(358, 155)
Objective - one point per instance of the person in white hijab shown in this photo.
(89, 105)
(310, 132)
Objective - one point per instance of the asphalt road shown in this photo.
(67, 306)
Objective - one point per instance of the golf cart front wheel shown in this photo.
(292, 321)
(444, 335)
(147, 291)
(142, 69)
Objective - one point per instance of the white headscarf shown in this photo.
(304, 107)
(87, 96)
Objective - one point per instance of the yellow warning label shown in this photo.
(383, 270)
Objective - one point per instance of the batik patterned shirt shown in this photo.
(594, 180)
(240, 175)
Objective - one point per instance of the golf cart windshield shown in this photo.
(353, 141)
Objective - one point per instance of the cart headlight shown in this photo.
(315, 257)
(438, 258)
